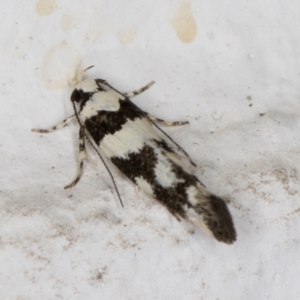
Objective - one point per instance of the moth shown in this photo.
(140, 149)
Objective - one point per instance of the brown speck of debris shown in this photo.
(101, 274)
(249, 98)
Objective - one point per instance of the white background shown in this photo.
(232, 68)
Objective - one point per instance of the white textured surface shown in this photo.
(229, 67)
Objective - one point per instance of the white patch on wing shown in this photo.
(192, 191)
(197, 220)
(108, 101)
(175, 158)
(163, 171)
(82, 155)
(87, 85)
(196, 195)
(130, 139)
(144, 185)
(147, 129)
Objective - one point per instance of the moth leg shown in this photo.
(82, 156)
(166, 123)
(139, 91)
(62, 124)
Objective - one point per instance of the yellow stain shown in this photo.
(184, 23)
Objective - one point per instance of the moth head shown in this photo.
(84, 89)
(77, 95)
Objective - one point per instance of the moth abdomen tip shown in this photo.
(220, 223)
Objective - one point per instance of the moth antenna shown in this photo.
(103, 161)
(108, 170)
(88, 68)
(79, 74)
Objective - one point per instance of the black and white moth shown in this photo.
(130, 138)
